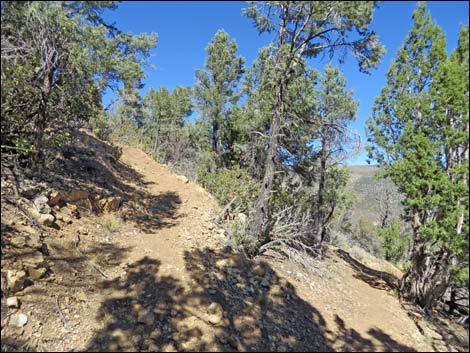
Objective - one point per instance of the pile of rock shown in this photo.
(64, 206)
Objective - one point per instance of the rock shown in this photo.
(40, 202)
(76, 195)
(216, 313)
(210, 226)
(33, 241)
(82, 296)
(13, 302)
(182, 178)
(18, 241)
(36, 273)
(147, 318)
(264, 283)
(112, 204)
(84, 204)
(54, 198)
(18, 320)
(46, 219)
(16, 280)
(242, 218)
(83, 230)
(34, 259)
(67, 219)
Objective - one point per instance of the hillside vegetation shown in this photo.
(141, 228)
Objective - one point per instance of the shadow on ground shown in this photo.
(92, 165)
(260, 311)
(376, 279)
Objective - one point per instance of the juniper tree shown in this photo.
(304, 29)
(419, 133)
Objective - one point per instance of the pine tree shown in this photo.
(216, 92)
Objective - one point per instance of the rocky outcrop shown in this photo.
(110, 204)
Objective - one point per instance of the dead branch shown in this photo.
(62, 317)
(92, 264)
(225, 210)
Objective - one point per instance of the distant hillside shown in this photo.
(368, 189)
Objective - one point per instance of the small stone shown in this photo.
(216, 313)
(82, 296)
(67, 219)
(40, 202)
(212, 291)
(35, 259)
(264, 283)
(13, 302)
(147, 318)
(76, 195)
(16, 280)
(36, 273)
(54, 198)
(83, 230)
(18, 241)
(182, 178)
(242, 218)
(46, 219)
(173, 312)
(18, 320)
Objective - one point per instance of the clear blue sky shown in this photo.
(185, 28)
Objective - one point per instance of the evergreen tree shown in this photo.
(419, 133)
(303, 30)
(58, 57)
(216, 92)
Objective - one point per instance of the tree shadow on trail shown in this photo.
(158, 313)
(228, 303)
(93, 166)
(376, 279)
(352, 341)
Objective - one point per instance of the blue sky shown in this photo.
(185, 28)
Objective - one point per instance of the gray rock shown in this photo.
(264, 283)
(18, 320)
(13, 302)
(41, 204)
(144, 317)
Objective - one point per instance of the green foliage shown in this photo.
(216, 92)
(57, 60)
(229, 183)
(395, 243)
(419, 133)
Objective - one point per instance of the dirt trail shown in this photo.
(347, 313)
(173, 285)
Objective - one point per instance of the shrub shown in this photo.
(395, 242)
(226, 184)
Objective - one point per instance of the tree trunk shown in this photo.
(41, 123)
(259, 225)
(428, 276)
(320, 216)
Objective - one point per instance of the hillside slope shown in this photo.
(156, 275)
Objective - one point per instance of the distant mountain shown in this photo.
(369, 190)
